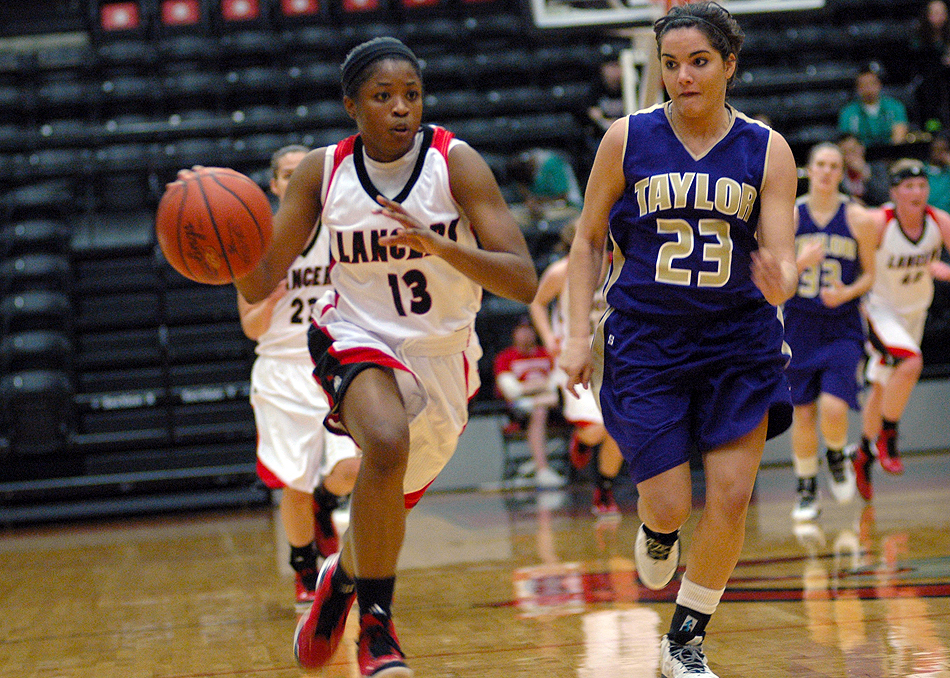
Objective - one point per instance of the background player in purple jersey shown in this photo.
(698, 200)
(836, 239)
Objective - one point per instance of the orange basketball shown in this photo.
(213, 225)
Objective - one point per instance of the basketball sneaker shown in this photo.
(325, 535)
(887, 453)
(684, 661)
(806, 506)
(656, 562)
(378, 652)
(604, 504)
(319, 632)
(841, 471)
(862, 462)
(304, 596)
(578, 453)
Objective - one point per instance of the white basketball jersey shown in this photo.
(307, 279)
(393, 291)
(902, 281)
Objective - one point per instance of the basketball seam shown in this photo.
(214, 223)
(179, 230)
(260, 233)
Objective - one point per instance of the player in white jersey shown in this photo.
(295, 454)
(912, 234)
(549, 315)
(418, 226)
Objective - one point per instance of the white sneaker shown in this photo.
(806, 506)
(841, 476)
(656, 562)
(547, 478)
(684, 661)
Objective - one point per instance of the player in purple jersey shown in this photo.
(698, 200)
(835, 239)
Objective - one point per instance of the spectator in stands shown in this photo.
(524, 378)
(313, 469)
(938, 170)
(607, 103)
(867, 182)
(930, 53)
(876, 119)
(544, 178)
(911, 237)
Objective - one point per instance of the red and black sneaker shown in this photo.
(862, 461)
(604, 504)
(378, 652)
(325, 536)
(318, 633)
(304, 596)
(578, 453)
(887, 453)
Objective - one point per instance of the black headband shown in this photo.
(908, 172)
(665, 21)
(373, 50)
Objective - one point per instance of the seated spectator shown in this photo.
(524, 378)
(607, 103)
(866, 182)
(544, 178)
(875, 118)
(930, 52)
(938, 170)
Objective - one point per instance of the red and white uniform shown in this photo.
(584, 409)
(902, 292)
(396, 307)
(293, 448)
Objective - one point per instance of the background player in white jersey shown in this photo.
(836, 240)
(698, 201)
(295, 454)
(418, 226)
(912, 235)
(584, 411)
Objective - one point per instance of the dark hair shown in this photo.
(906, 168)
(714, 20)
(355, 69)
(872, 68)
(281, 152)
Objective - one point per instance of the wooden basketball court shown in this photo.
(494, 585)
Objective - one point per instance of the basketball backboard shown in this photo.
(555, 14)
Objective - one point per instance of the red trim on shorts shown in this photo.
(902, 353)
(367, 355)
(413, 498)
(268, 478)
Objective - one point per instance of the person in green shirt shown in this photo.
(938, 171)
(875, 118)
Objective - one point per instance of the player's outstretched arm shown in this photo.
(549, 288)
(774, 270)
(585, 262)
(502, 264)
(293, 224)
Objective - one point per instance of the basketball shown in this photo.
(213, 225)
